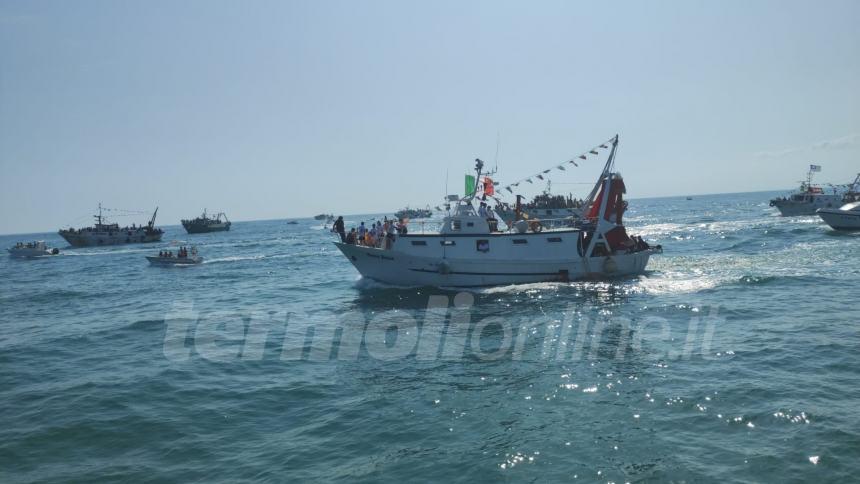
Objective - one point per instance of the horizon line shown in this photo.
(4, 234)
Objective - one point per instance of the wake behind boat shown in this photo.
(103, 233)
(470, 251)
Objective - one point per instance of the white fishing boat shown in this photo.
(32, 249)
(846, 217)
(469, 251)
(181, 258)
(808, 198)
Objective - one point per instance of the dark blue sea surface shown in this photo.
(736, 358)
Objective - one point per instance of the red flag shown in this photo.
(488, 186)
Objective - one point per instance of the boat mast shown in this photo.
(853, 187)
(479, 165)
(152, 220)
(99, 216)
(610, 163)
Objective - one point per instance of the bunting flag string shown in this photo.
(540, 176)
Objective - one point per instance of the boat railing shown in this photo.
(434, 226)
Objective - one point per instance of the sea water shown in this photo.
(735, 358)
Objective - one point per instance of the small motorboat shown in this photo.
(32, 249)
(182, 258)
(846, 217)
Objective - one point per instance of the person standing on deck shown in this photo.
(338, 227)
(362, 231)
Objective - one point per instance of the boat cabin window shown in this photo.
(419, 242)
(456, 224)
(470, 224)
(553, 239)
(448, 243)
(520, 241)
(482, 245)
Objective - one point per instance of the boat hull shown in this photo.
(28, 252)
(84, 238)
(840, 219)
(792, 208)
(173, 261)
(403, 269)
(192, 228)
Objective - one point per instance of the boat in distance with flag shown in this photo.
(205, 223)
(104, 233)
(470, 251)
(807, 199)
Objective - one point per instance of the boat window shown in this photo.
(520, 241)
(554, 239)
(419, 242)
(447, 242)
(470, 224)
(482, 245)
(455, 225)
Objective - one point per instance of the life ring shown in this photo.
(536, 226)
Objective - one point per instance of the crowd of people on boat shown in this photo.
(28, 245)
(182, 253)
(545, 200)
(380, 234)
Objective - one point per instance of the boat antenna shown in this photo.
(479, 165)
(498, 142)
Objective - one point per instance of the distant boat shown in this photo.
(689, 198)
(169, 259)
(204, 224)
(32, 249)
(552, 210)
(808, 198)
(411, 213)
(292, 222)
(324, 216)
(103, 233)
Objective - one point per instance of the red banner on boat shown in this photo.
(488, 186)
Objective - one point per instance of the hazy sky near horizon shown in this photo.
(278, 109)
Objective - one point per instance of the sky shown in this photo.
(286, 109)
